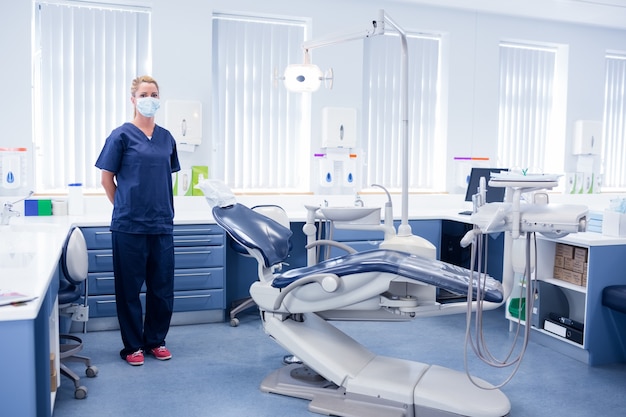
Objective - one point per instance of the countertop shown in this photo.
(31, 246)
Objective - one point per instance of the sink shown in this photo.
(362, 215)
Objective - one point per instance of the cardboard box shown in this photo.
(573, 264)
(559, 261)
(566, 251)
(580, 253)
(566, 275)
(558, 273)
(613, 224)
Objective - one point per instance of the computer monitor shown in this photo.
(494, 194)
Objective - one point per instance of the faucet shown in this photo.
(357, 201)
(8, 212)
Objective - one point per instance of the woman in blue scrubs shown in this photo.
(137, 162)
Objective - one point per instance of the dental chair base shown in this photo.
(342, 378)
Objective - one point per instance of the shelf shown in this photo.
(565, 284)
(562, 339)
(514, 320)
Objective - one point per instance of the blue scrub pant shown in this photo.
(139, 259)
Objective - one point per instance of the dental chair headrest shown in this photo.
(255, 231)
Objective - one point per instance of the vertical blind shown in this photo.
(85, 57)
(525, 104)
(261, 138)
(382, 112)
(614, 126)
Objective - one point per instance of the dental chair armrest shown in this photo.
(334, 243)
(329, 282)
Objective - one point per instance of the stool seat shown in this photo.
(68, 292)
(614, 297)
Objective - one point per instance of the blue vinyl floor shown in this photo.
(216, 371)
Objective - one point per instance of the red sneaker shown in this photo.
(161, 353)
(135, 358)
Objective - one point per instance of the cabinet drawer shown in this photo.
(105, 305)
(100, 260)
(199, 256)
(102, 306)
(185, 235)
(103, 283)
(198, 240)
(197, 229)
(97, 237)
(199, 300)
(198, 279)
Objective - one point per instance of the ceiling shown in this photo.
(607, 13)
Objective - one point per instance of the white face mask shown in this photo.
(148, 106)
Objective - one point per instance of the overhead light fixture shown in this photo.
(308, 77)
(303, 78)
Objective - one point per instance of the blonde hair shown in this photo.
(142, 79)
(135, 86)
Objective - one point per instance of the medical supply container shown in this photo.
(13, 168)
(75, 199)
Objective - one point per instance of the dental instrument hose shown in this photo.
(479, 346)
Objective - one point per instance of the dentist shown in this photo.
(137, 162)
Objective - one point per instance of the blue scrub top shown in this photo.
(143, 168)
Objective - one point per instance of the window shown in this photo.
(85, 56)
(614, 125)
(382, 113)
(262, 141)
(529, 108)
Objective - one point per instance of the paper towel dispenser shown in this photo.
(183, 118)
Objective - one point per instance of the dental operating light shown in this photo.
(307, 77)
(302, 78)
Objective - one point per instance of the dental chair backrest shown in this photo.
(266, 239)
(274, 212)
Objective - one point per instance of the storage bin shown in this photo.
(517, 309)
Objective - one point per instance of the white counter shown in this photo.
(31, 246)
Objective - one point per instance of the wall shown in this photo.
(182, 63)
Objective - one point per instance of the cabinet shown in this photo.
(199, 276)
(604, 266)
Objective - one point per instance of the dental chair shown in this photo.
(275, 213)
(338, 375)
(72, 286)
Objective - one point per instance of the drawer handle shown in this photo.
(105, 278)
(197, 252)
(192, 296)
(105, 302)
(193, 275)
(109, 255)
(194, 230)
(193, 241)
(103, 233)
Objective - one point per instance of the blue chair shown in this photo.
(614, 297)
(73, 286)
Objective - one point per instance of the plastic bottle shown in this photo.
(75, 200)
